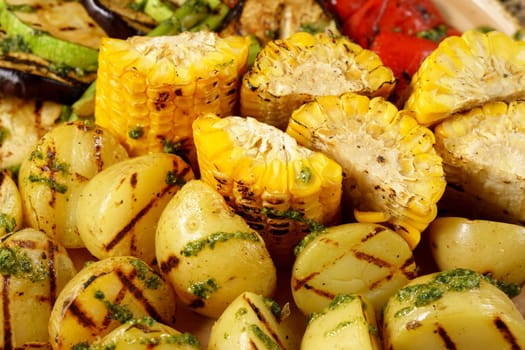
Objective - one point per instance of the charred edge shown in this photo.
(506, 333)
(97, 141)
(7, 316)
(447, 341)
(265, 323)
(377, 230)
(300, 283)
(133, 180)
(139, 296)
(168, 265)
(371, 259)
(303, 284)
(121, 234)
(411, 273)
(2, 178)
(51, 249)
(81, 316)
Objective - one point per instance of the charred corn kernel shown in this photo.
(466, 71)
(282, 190)
(483, 153)
(393, 174)
(290, 72)
(150, 89)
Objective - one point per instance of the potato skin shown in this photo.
(28, 294)
(458, 242)
(58, 167)
(354, 258)
(105, 294)
(210, 254)
(119, 207)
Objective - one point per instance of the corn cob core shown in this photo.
(392, 174)
(281, 189)
(150, 89)
(483, 153)
(465, 72)
(288, 73)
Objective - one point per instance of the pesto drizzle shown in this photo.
(144, 273)
(15, 262)
(204, 289)
(118, 312)
(195, 247)
(7, 222)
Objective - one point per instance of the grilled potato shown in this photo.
(347, 323)
(124, 203)
(251, 321)
(453, 309)
(33, 270)
(355, 258)
(55, 171)
(10, 204)
(146, 334)
(459, 242)
(106, 294)
(197, 237)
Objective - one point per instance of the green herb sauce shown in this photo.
(204, 289)
(15, 262)
(14, 44)
(4, 134)
(195, 247)
(172, 178)
(7, 222)
(136, 132)
(305, 175)
(144, 273)
(118, 312)
(269, 343)
(274, 307)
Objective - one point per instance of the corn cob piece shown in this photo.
(290, 72)
(466, 72)
(150, 89)
(483, 153)
(281, 189)
(393, 174)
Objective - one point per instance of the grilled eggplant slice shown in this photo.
(34, 269)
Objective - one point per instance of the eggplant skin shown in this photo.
(27, 85)
(112, 23)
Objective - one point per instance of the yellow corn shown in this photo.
(282, 190)
(465, 72)
(150, 89)
(392, 174)
(484, 161)
(288, 73)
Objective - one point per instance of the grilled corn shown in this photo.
(483, 153)
(150, 89)
(465, 72)
(281, 189)
(290, 72)
(392, 172)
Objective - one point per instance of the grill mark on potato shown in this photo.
(506, 333)
(377, 230)
(51, 256)
(97, 143)
(81, 316)
(7, 315)
(264, 322)
(117, 301)
(123, 233)
(171, 263)
(447, 341)
(127, 281)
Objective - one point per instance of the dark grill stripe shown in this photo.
(506, 333)
(265, 323)
(139, 296)
(122, 233)
(51, 249)
(82, 317)
(7, 314)
(447, 341)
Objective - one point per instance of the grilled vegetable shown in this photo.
(197, 236)
(54, 172)
(146, 334)
(393, 174)
(347, 323)
(354, 258)
(288, 73)
(459, 242)
(281, 189)
(465, 72)
(22, 123)
(150, 89)
(483, 158)
(453, 309)
(251, 321)
(10, 205)
(268, 20)
(33, 270)
(118, 208)
(104, 295)
(60, 32)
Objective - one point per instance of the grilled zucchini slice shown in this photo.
(467, 71)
